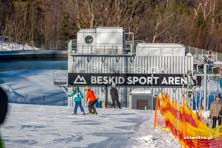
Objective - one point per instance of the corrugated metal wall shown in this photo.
(136, 64)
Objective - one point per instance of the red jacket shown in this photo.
(90, 95)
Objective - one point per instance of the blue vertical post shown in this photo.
(106, 96)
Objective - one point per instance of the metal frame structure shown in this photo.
(106, 61)
(132, 61)
(128, 51)
(128, 63)
(206, 76)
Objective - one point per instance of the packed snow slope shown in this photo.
(33, 86)
(36, 126)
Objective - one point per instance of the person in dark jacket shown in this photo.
(3, 109)
(115, 96)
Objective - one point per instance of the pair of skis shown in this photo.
(86, 114)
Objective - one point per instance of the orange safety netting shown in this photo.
(184, 124)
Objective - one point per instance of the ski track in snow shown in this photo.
(36, 126)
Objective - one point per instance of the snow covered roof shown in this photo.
(87, 31)
(109, 29)
(161, 45)
(160, 49)
(101, 29)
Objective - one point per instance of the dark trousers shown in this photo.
(78, 104)
(219, 121)
(96, 103)
(92, 108)
(214, 122)
(117, 101)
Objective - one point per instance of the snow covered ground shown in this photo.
(33, 86)
(35, 126)
(19, 50)
(5, 46)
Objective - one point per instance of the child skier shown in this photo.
(90, 96)
(77, 97)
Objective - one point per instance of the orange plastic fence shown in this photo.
(184, 124)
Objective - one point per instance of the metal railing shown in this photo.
(99, 49)
(60, 78)
(199, 51)
(53, 99)
(199, 54)
(112, 49)
(194, 50)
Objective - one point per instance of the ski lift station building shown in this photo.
(105, 55)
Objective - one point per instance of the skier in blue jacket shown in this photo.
(77, 97)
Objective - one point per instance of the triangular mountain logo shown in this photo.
(80, 80)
